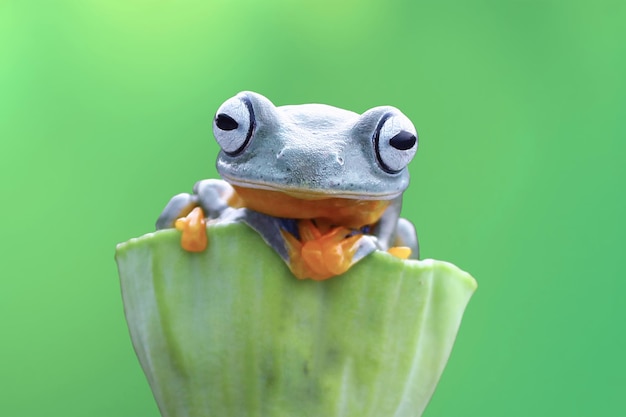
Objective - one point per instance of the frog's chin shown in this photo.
(348, 212)
(340, 208)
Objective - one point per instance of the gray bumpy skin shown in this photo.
(307, 151)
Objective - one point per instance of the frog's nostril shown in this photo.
(339, 159)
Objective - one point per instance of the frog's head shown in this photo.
(314, 151)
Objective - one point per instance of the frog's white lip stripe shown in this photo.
(310, 194)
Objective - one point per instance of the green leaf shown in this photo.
(231, 333)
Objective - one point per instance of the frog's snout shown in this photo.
(318, 164)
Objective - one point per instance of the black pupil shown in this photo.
(403, 140)
(225, 122)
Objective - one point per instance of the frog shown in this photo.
(323, 186)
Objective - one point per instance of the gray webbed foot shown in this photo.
(179, 206)
(211, 195)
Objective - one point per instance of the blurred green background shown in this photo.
(105, 112)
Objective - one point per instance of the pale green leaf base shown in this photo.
(231, 333)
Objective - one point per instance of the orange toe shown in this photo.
(193, 228)
(320, 256)
(401, 252)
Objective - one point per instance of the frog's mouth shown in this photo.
(350, 212)
(310, 194)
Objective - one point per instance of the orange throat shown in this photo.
(346, 212)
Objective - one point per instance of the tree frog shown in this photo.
(321, 185)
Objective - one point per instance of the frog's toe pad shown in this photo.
(193, 231)
(402, 252)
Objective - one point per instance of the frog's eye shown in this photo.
(233, 125)
(395, 142)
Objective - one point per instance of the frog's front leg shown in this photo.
(395, 234)
(187, 212)
(179, 206)
(406, 237)
(403, 243)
